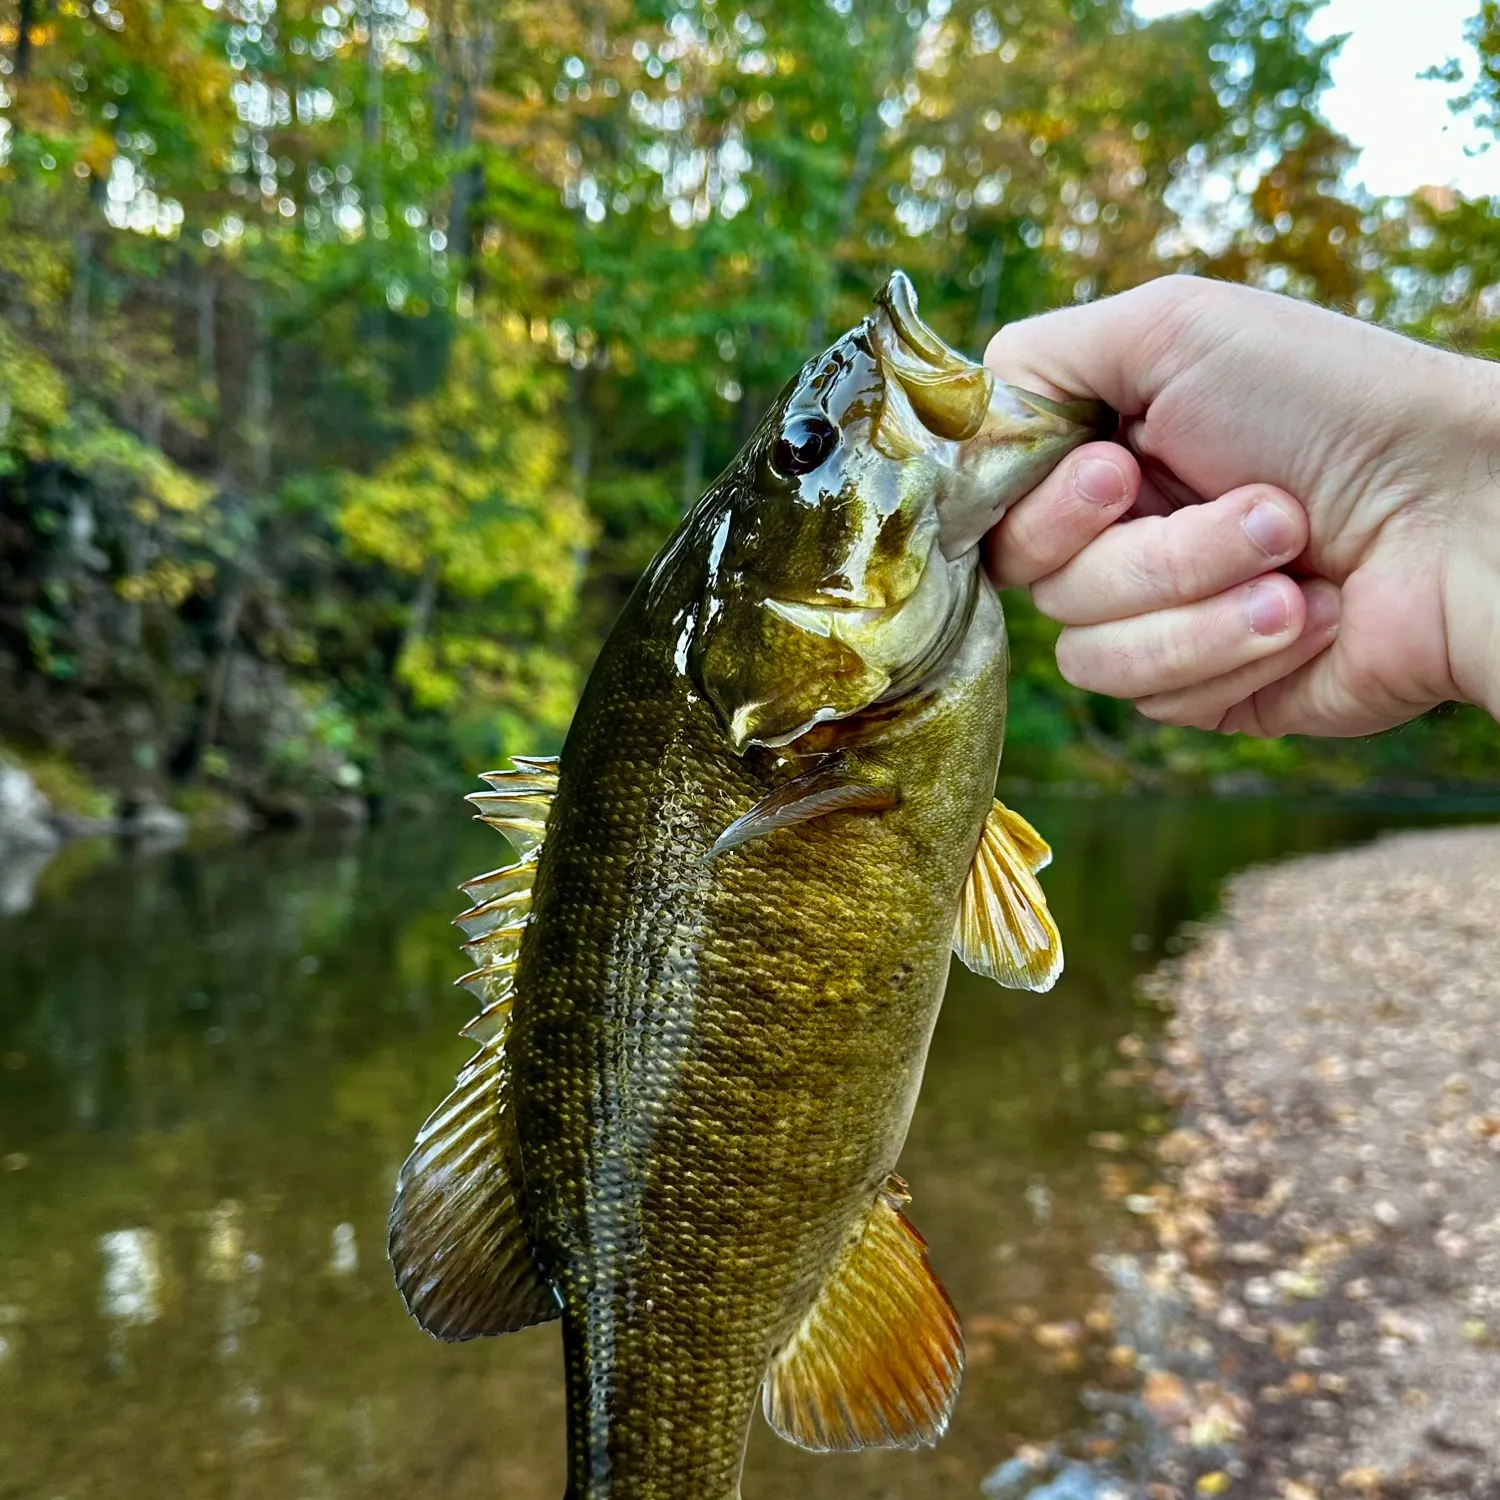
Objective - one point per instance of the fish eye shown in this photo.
(805, 442)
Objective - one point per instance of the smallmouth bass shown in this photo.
(709, 983)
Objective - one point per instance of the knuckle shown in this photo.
(1176, 568)
(1072, 659)
(1047, 594)
(1160, 651)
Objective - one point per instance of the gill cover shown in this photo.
(843, 563)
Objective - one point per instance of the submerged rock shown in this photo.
(25, 814)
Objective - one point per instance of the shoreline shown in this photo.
(1328, 1214)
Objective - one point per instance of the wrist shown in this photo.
(1471, 576)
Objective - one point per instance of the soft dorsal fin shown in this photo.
(878, 1360)
(457, 1243)
(829, 787)
(1004, 929)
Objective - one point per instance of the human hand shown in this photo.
(1343, 574)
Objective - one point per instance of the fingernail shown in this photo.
(1099, 481)
(1324, 606)
(1271, 529)
(1267, 609)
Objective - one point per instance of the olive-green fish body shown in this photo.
(717, 1059)
(709, 985)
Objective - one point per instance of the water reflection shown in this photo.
(212, 1064)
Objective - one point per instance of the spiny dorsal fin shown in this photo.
(828, 787)
(457, 1241)
(1004, 929)
(518, 800)
(878, 1360)
(517, 804)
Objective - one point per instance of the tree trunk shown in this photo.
(860, 171)
(208, 309)
(989, 295)
(423, 604)
(218, 680)
(24, 22)
(83, 273)
(692, 465)
(580, 429)
(258, 395)
(373, 83)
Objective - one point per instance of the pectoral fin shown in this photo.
(1004, 929)
(829, 787)
(877, 1361)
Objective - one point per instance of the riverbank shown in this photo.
(1330, 1219)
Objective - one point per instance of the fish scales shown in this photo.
(716, 1061)
(772, 824)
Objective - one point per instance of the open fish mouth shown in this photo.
(948, 392)
(953, 394)
(1003, 439)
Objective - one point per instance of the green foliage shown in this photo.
(355, 358)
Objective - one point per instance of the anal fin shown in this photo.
(878, 1360)
(1004, 929)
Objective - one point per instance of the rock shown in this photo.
(73, 825)
(346, 808)
(25, 814)
(156, 824)
(21, 866)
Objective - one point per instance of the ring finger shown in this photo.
(1167, 650)
(1206, 705)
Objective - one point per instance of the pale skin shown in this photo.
(1297, 530)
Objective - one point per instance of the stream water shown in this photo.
(212, 1063)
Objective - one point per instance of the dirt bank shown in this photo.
(1332, 1213)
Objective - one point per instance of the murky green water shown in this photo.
(211, 1065)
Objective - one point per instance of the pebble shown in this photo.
(1328, 1211)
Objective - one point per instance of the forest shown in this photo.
(356, 356)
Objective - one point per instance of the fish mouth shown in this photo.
(948, 392)
(997, 440)
(953, 394)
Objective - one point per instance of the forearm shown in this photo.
(1471, 585)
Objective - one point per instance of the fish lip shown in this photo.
(947, 391)
(898, 297)
(818, 619)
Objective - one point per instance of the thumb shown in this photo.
(1122, 349)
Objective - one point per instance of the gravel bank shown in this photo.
(1331, 1214)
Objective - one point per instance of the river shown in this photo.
(212, 1063)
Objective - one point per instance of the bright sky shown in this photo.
(1408, 136)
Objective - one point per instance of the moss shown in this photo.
(204, 807)
(61, 782)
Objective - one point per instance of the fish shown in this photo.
(708, 983)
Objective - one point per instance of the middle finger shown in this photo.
(1158, 562)
(1169, 650)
